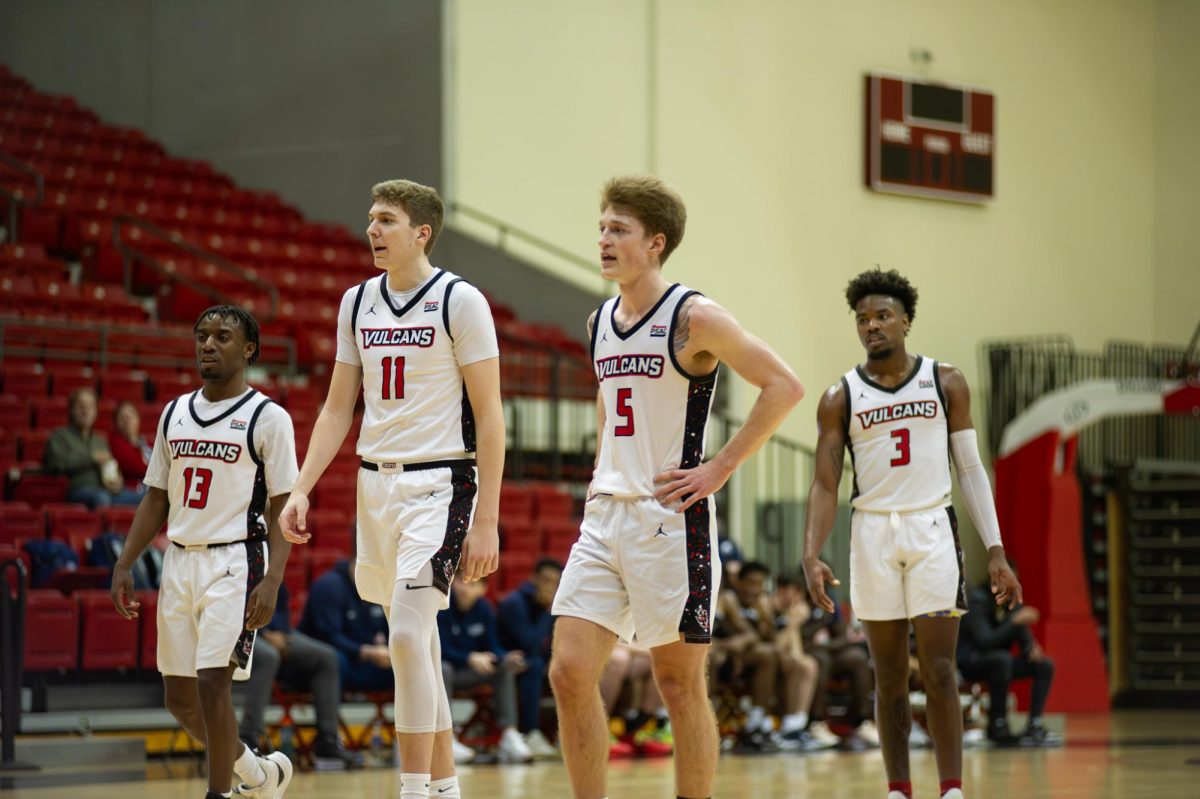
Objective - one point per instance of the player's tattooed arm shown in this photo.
(683, 325)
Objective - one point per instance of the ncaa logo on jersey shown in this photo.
(658, 331)
(237, 424)
(431, 306)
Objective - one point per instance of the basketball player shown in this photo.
(221, 452)
(422, 343)
(646, 567)
(898, 414)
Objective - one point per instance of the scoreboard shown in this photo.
(929, 139)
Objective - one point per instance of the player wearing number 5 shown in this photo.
(222, 452)
(422, 343)
(646, 567)
(902, 416)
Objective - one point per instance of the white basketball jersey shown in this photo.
(899, 441)
(416, 402)
(217, 482)
(655, 413)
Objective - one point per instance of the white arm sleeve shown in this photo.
(973, 480)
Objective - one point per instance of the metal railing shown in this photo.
(505, 231)
(131, 255)
(92, 344)
(16, 197)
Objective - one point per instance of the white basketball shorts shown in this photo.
(645, 572)
(202, 608)
(904, 565)
(407, 519)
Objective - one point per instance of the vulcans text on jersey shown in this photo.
(216, 450)
(630, 365)
(927, 409)
(397, 337)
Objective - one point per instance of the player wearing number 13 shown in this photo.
(902, 416)
(222, 452)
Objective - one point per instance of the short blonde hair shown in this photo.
(421, 203)
(651, 201)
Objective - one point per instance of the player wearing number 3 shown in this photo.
(422, 343)
(646, 568)
(902, 417)
(222, 452)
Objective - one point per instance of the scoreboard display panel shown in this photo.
(930, 139)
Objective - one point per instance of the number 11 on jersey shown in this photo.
(393, 377)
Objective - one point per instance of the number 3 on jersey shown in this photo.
(903, 455)
(624, 395)
(200, 480)
(393, 377)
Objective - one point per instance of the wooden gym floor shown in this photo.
(1125, 755)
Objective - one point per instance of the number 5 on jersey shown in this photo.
(625, 411)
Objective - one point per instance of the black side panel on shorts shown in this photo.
(458, 519)
(696, 624)
(256, 560)
(960, 600)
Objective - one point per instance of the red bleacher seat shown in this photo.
(38, 489)
(25, 380)
(13, 552)
(561, 535)
(295, 573)
(515, 568)
(122, 386)
(296, 603)
(14, 414)
(68, 378)
(68, 519)
(148, 622)
(117, 519)
(51, 631)
(520, 538)
(18, 521)
(107, 641)
(516, 503)
(33, 445)
(337, 493)
(551, 503)
(50, 412)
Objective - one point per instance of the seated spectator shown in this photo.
(82, 455)
(129, 447)
(985, 642)
(355, 628)
(300, 663)
(647, 728)
(841, 651)
(472, 655)
(791, 609)
(526, 626)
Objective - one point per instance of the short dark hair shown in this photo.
(753, 567)
(244, 318)
(890, 284)
(547, 563)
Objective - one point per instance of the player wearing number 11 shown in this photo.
(902, 416)
(422, 343)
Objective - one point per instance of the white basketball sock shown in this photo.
(445, 788)
(414, 786)
(249, 769)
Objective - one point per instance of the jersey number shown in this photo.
(393, 377)
(903, 456)
(198, 479)
(625, 412)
